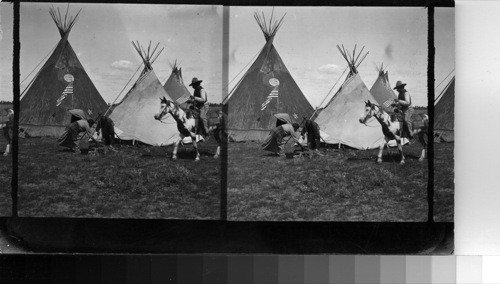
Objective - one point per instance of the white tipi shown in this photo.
(340, 118)
(134, 115)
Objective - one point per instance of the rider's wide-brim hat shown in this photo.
(195, 80)
(399, 85)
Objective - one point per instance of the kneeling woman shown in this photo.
(275, 142)
(70, 136)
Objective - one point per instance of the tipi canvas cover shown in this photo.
(175, 84)
(382, 91)
(60, 85)
(266, 88)
(134, 115)
(340, 118)
(444, 113)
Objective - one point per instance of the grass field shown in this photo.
(343, 185)
(5, 166)
(135, 182)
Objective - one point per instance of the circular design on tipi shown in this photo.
(69, 78)
(274, 82)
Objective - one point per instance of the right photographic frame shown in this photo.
(328, 114)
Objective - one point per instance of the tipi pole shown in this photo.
(137, 48)
(158, 54)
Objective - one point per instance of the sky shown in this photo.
(308, 37)
(102, 39)
(192, 34)
(444, 42)
(6, 53)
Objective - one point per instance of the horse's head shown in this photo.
(166, 106)
(371, 110)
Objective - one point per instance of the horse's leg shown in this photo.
(7, 150)
(195, 146)
(176, 146)
(421, 138)
(381, 151)
(400, 149)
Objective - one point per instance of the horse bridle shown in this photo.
(376, 114)
(163, 112)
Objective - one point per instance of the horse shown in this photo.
(393, 129)
(185, 125)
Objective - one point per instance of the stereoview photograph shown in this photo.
(328, 114)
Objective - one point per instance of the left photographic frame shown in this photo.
(6, 115)
(87, 67)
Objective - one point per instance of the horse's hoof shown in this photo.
(174, 157)
(402, 162)
(421, 159)
(216, 156)
(197, 159)
(379, 161)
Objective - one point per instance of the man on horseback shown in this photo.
(403, 105)
(200, 106)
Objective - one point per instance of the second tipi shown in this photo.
(266, 88)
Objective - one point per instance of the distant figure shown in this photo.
(200, 106)
(7, 131)
(108, 130)
(403, 104)
(70, 136)
(275, 142)
(313, 134)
